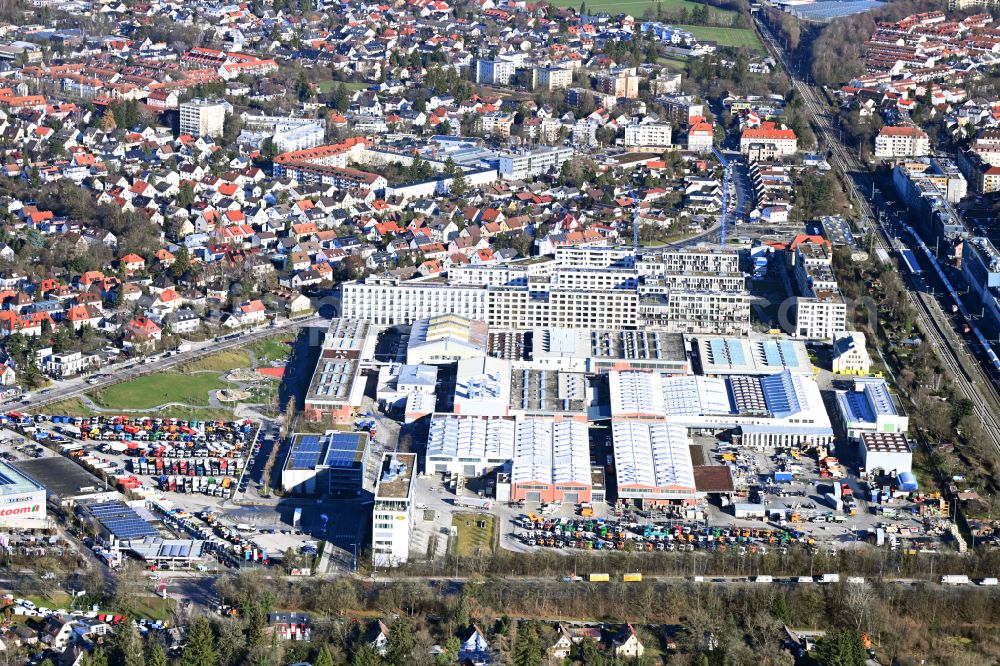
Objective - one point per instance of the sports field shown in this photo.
(638, 7)
(725, 36)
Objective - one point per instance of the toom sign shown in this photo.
(19, 510)
(23, 508)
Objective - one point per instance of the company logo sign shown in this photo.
(19, 510)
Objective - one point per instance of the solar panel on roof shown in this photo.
(736, 354)
(307, 452)
(771, 354)
(342, 449)
(788, 354)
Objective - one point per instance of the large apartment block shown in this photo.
(649, 135)
(904, 141)
(495, 72)
(819, 311)
(203, 117)
(696, 292)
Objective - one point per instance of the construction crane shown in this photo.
(635, 221)
(725, 192)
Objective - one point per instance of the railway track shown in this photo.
(975, 383)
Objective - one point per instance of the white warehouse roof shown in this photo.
(552, 452)
(653, 455)
(479, 437)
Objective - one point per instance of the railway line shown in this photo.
(977, 384)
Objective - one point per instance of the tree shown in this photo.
(302, 86)
(125, 648)
(841, 648)
(155, 656)
(96, 658)
(200, 647)
(527, 649)
(459, 184)
(256, 623)
(400, 641)
(323, 657)
(366, 656)
(185, 198)
(779, 609)
(231, 643)
(341, 98)
(182, 262)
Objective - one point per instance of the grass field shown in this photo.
(725, 36)
(327, 86)
(70, 407)
(473, 539)
(673, 63)
(151, 390)
(75, 407)
(222, 361)
(637, 8)
(271, 349)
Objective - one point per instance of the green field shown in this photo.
(673, 63)
(272, 349)
(222, 361)
(327, 86)
(76, 407)
(151, 390)
(725, 36)
(472, 539)
(637, 8)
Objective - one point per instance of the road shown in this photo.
(940, 329)
(72, 388)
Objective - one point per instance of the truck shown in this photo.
(783, 477)
(474, 503)
(955, 579)
(828, 578)
(988, 581)
(69, 429)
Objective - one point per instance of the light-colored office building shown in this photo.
(393, 514)
(203, 117)
(533, 163)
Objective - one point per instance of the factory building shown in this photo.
(551, 461)
(446, 338)
(888, 452)
(468, 445)
(336, 389)
(718, 356)
(870, 407)
(850, 354)
(653, 462)
(780, 410)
